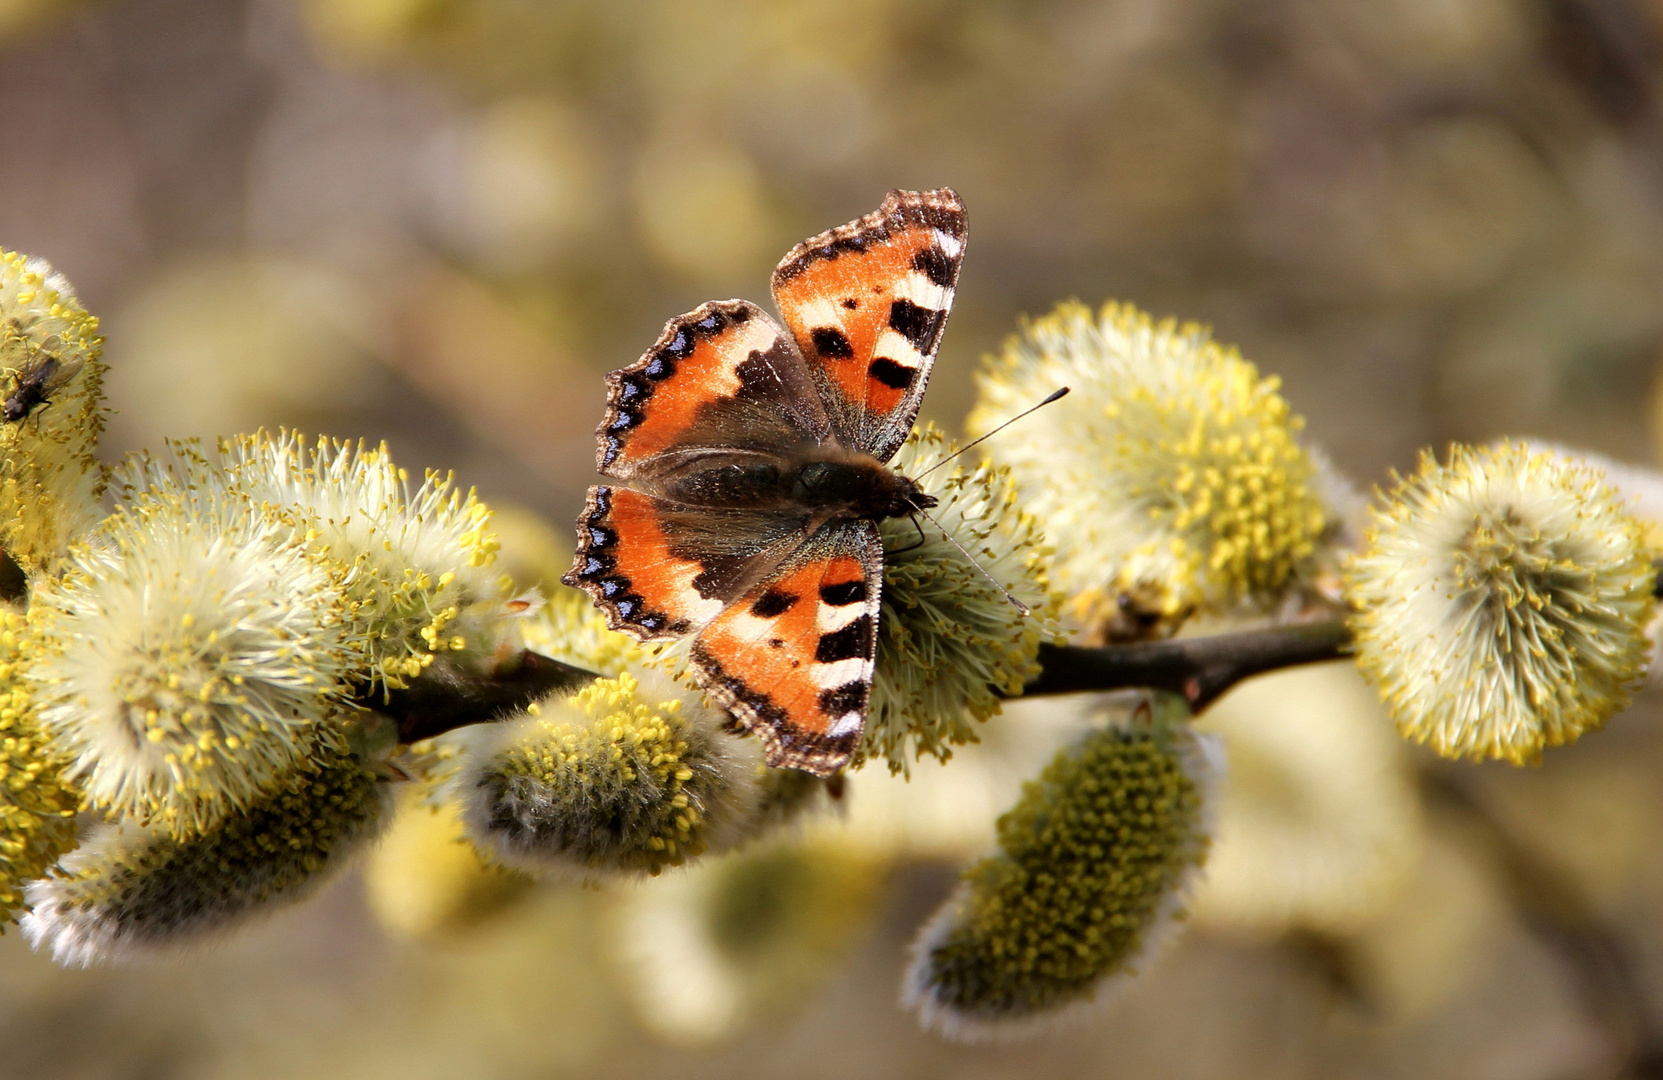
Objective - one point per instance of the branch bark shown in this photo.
(445, 697)
(1201, 668)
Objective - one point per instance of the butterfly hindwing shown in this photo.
(792, 659)
(659, 570)
(867, 302)
(724, 376)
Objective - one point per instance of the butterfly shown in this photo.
(756, 463)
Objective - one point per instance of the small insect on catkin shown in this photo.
(618, 778)
(129, 890)
(1501, 602)
(186, 667)
(1170, 480)
(950, 642)
(1093, 868)
(51, 413)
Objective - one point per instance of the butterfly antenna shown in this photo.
(1055, 395)
(1020, 606)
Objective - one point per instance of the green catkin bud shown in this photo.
(1092, 871)
(50, 478)
(617, 778)
(569, 628)
(1501, 602)
(37, 805)
(186, 664)
(1171, 479)
(950, 642)
(129, 890)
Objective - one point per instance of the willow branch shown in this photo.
(1201, 668)
(446, 697)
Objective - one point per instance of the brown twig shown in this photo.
(1199, 668)
(446, 697)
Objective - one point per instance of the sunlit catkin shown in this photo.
(1501, 602)
(1092, 870)
(186, 667)
(37, 805)
(1171, 479)
(950, 642)
(413, 564)
(52, 413)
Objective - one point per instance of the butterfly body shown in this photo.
(755, 459)
(828, 485)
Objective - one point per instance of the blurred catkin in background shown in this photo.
(437, 222)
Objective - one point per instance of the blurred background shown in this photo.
(438, 222)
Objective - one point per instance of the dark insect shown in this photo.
(36, 383)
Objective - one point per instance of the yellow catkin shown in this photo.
(50, 478)
(413, 563)
(951, 645)
(1501, 602)
(186, 665)
(1171, 479)
(37, 805)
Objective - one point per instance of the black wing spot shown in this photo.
(774, 603)
(831, 343)
(893, 375)
(681, 346)
(919, 325)
(775, 643)
(843, 593)
(936, 266)
(844, 699)
(851, 303)
(854, 640)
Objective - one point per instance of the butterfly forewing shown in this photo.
(792, 659)
(721, 377)
(867, 302)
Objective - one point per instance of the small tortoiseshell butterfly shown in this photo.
(757, 460)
